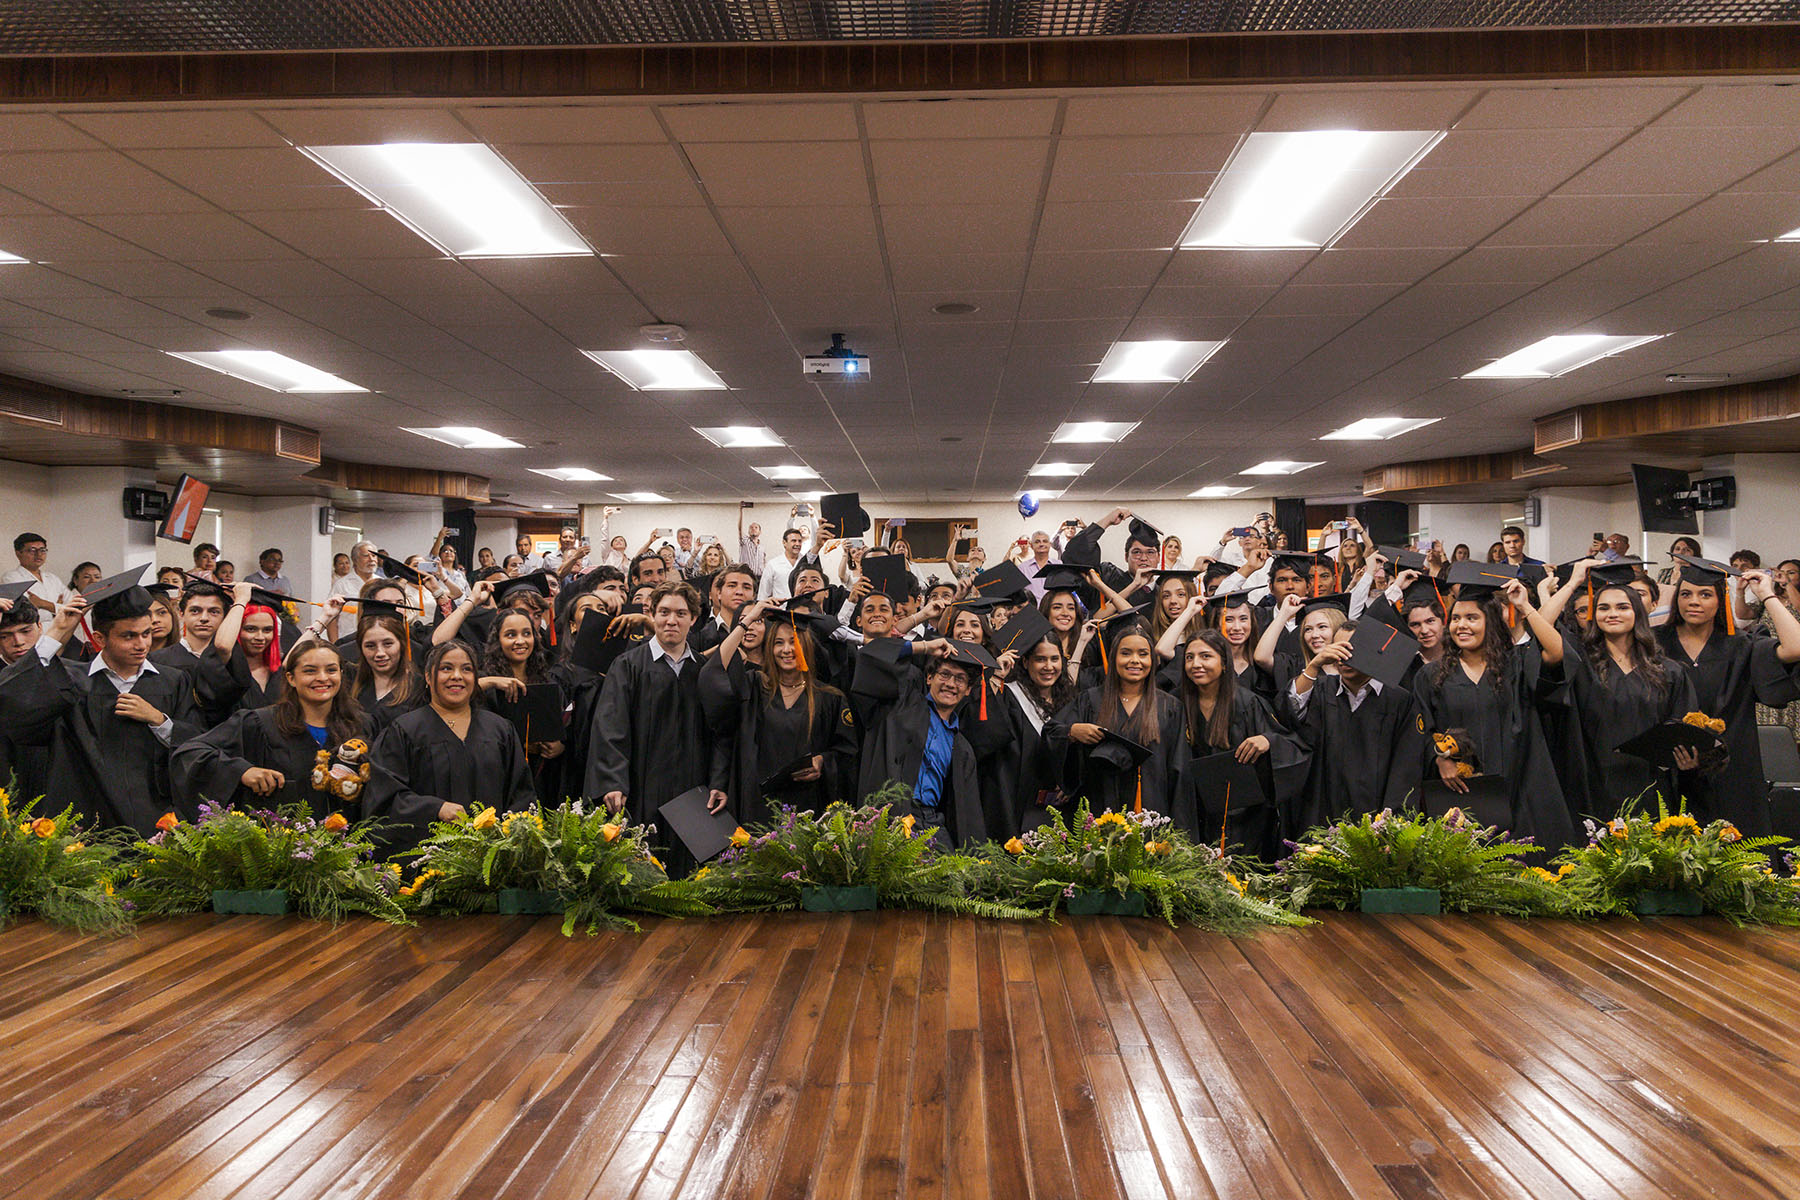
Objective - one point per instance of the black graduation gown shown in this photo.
(550, 776)
(419, 764)
(1363, 760)
(1501, 719)
(211, 767)
(1605, 714)
(753, 739)
(1251, 829)
(1106, 787)
(1733, 674)
(24, 767)
(894, 750)
(996, 741)
(648, 739)
(252, 695)
(216, 691)
(1085, 546)
(1028, 771)
(113, 771)
(384, 711)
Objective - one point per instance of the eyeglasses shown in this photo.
(39, 548)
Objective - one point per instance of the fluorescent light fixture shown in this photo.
(1092, 431)
(1153, 362)
(659, 370)
(1041, 495)
(811, 497)
(1216, 491)
(641, 498)
(1378, 429)
(466, 437)
(1052, 469)
(739, 437)
(787, 471)
(461, 197)
(6, 258)
(1792, 235)
(1279, 466)
(265, 368)
(1558, 355)
(572, 474)
(1303, 189)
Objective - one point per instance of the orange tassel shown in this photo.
(1730, 618)
(1225, 820)
(1137, 801)
(799, 650)
(1104, 669)
(983, 686)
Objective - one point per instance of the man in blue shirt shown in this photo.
(947, 686)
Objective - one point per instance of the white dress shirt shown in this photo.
(48, 648)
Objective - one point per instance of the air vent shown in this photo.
(297, 443)
(24, 406)
(1556, 431)
(1374, 481)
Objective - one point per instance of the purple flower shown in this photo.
(1069, 892)
(128, 906)
(792, 877)
(304, 855)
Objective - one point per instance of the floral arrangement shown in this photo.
(1636, 852)
(1700, 720)
(595, 861)
(326, 867)
(1122, 854)
(766, 868)
(1474, 867)
(50, 867)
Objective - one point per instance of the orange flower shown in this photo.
(336, 821)
(167, 822)
(610, 832)
(739, 836)
(1158, 847)
(1015, 846)
(72, 847)
(907, 823)
(1730, 833)
(487, 818)
(44, 827)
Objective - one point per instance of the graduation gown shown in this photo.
(1029, 771)
(1732, 675)
(114, 771)
(252, 695)
(1104, 786)
(1501, 718)
(996, 740)
(753, 739)
(1254, 829)
(894, 749)
(216, 691)
(419, 764)
(384, 711)
(1363, 760)
(1605, 714)
(648, 738)
(211, 766)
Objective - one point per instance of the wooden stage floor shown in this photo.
(901, 1054)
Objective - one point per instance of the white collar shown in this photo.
(657, 653)
(99, 665)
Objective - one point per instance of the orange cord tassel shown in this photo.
(799, 650)
(1730, 618)
(1225, 820)
(1137, 801)
(983, 686)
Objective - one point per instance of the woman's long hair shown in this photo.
(805, 651)
(1214, 731)
(1496, 647)
(405, 678)
(345, 719)
(1159, 621)
(1065, 640)
(444, 650)
(272, 653)
(1646, 651)
(1142, 725)
(493, 660)
(1061, 692)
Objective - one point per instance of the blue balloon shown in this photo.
(1028, 504)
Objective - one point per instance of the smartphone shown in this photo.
(585, 544)
(706, 539)
(746, 504)
(803, 510)
(1599, 537)
(1427, 545)
(1243, 531)
(1340, 524)
(659, 533)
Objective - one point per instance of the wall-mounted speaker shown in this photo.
(1385, 521)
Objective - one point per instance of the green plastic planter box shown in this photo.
(1101, 902)
(1402, 900)
(272, 903)
(1668, 904)
(526, 902)
(837, 899)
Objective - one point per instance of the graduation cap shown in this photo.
(1616, 574)
(1402, 559)
(1656, 745)
(1337, 600)
(1299, 562)
(394, 568)
(365, 609)
(978, 604)
(783, 780)
(15, 610)
(971, 654)
(537, 581)
(844, 512)
(1191, 578)
(1381, 652)
(603, 638)
(118, 597)
(1118, 752)
(537, 715)
(1219, 605)
(1025, 629)
(1706, 572)
(1479, 580)
(10, 592)
(267, 599)
(1061, 577)
(1423, 590)
(705, 834)
(1081, 553)
(1488, 800)
(1143, 531)
(889, 575)
(875, 672)
(1003, 580)
(1218, 783)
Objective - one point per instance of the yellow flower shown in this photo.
(1730, 833)
(740, 836)
(394, 867)
(72, 847)
(1015, 846)
(656, 861)
(107, 884)
(610, 831)
(44, 827)
(1565, 869)
(336, 821)
(1235, 882)
(5, 803)
(1618, 828)
(906, 823)
(1158, 847)
(702, 873)
(1112, 818)
(487, 818)
(24, 826)
(1677, 821)
(1546, 876)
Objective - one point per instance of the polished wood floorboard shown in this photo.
(901, 1054)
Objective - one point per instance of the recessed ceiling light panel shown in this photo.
(1304, 189)
(462, 197)
(659, 370)
(11, 259)
(1280, 466)
(1051, 470)
(787, 471)
(572, 474)
(1377, 429)
(466, 437)
(1216, 491)
(265, 368)
(1153, 362)
(1084, 432)
(740, 437)
(1558, 355)
(641, 498)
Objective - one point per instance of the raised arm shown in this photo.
(1559, 600)
(1543, 625)
(1781, 618)
(1177, 630)
(452, 624)
(1265, 645)
(226, 636)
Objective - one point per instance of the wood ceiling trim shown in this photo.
(1580, 428)
(1348, 56)
(405, 481)
(1462, 471)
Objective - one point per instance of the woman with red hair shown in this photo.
(249, 639)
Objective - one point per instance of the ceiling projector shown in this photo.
(836, 359)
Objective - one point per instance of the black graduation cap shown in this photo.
(978, 604)
(537, 581)
(267, 599)
(1402, 559)
(875, 672)
(1003, 580)
(1219, 784)
(1616, 574)
(1424, 590)
(118, 596)
(783, 780)
(970, 654)
(1337, 600)
(603, 638)
(15, 610)
(366, 609)
(1656, 745)
(1063, 577)
(1301, 562)
(888, 574)
(537, 715)
(1220, 604)
(844, 512)
(10, 592)
(394, 568)
(1217, 571)
(1082, 554)
(1023, 630)
(1143, 531)
(1564, 572)
(705, 834)
(1706, 572)
(1117, 751)
(1381, 652)
(1488, 800)
(1480, 579)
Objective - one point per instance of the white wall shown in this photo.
(86, 520)
(1767, 516)
(1571, 517)
(25, 500)
(1476, 525)
(497, 535)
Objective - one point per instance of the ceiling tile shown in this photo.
(198, 129)
(337, 125)
(759, 175)
(1079, 227)
(752, 121)
(1367, 108)
(1553, 106)
(983, 118)
(1151, 112)
(83, 182)
(582, 123)
(987, 171)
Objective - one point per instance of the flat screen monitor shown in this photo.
(185, 507)
(1658, 509)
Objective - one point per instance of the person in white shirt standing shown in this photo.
(32, 550)
(774, 584)
(362, 570)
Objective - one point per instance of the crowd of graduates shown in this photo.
(1249, 694)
